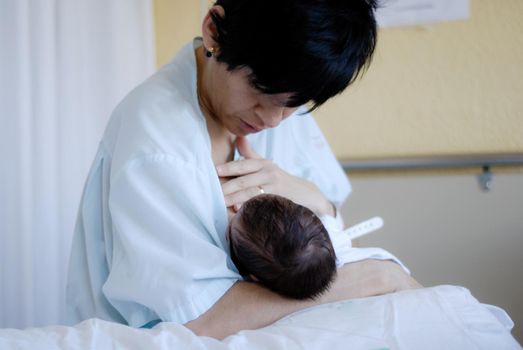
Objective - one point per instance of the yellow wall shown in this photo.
(447, 88)
(176, 22)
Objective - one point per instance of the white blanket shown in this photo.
(443, 317)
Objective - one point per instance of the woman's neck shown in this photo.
(222, 140)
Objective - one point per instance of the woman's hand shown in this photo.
(254, 173)
(369, 278)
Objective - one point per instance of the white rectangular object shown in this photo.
(414, 12)
(364, 228)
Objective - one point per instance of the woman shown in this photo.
(150, 236)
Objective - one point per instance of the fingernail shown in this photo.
(219, 170)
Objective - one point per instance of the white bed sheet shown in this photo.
(442, 317)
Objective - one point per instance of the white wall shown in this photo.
(450, 232)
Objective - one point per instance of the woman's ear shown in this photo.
(209, 32)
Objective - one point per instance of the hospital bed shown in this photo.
(442, 317)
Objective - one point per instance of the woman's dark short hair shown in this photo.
(285, 246)
(312, 49)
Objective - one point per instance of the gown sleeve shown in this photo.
(168, 261)
(318, 163)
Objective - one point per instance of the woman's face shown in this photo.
(239, 107)
(228, 97)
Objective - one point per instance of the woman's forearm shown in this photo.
(250, 306)
(245, 305)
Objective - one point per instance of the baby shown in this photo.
(283, 246)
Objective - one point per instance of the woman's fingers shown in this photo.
(247, 175)
(253, 161)
(244, 182)
(236, 199)
(241, 167)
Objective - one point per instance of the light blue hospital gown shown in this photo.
(149, 241)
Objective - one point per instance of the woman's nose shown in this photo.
(270, 117)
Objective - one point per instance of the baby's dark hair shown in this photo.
(284, 246)
(312, 49)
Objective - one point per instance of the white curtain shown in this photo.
(64, 65)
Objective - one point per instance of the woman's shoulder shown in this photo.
(161, 115)
(163, 97)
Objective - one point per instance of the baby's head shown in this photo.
(282, 245)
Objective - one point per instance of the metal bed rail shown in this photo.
(434, 162)
(482, 161)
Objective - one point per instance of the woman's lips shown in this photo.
(249, 127)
